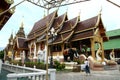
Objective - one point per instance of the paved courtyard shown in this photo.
(95, 75)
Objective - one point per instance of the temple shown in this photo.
(4, 17)
(83, 36)
(16, 45)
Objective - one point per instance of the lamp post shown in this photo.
(53, 33)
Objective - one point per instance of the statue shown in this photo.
(23, 57)
(112, 55)
(42, 53)
(40, 56)
(99, 53)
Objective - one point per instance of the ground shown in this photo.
(95, 75)
(69, 75)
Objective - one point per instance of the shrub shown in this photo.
(30, 64)
(59, 66)
(14, 62)
(39, 65)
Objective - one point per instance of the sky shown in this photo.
(29, 14)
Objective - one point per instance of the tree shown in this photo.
(1, 54)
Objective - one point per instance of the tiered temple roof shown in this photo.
(67, 30)
(20, 41)
(22, 44)
(4, 5)
(40, 27)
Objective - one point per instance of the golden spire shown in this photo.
(22, 24)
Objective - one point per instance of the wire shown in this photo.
(114, 3)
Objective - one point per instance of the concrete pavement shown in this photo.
(95, 75)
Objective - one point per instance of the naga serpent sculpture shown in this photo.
(112, 55)
(99, 53)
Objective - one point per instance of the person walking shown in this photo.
(87, 68)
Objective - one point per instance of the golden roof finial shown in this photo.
(100, 10)
(79, 14)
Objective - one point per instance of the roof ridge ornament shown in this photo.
(12, 10)
(100, 11)
(99, 16)
(79, 15)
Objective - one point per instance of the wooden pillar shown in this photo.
(92, 48)
(62, 47)
(101, 40)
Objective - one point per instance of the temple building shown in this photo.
(17, 47)
(60, 33)
(71, 33)
(20, 45)
(8, 55)
(4, 17)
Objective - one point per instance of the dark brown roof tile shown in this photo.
(86, 24)
(59, 20)
(69, 25)
(43, 23)
(82, 35)
(22, 43)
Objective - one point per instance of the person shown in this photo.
(87, 68)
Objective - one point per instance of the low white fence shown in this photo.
(26, 73)
(0, 65)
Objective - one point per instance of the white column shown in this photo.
(52, 74)
(35, 51)
(45, 54)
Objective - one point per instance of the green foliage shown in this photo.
(29, 64)
(39, 65)
(14, 62)
(20, 63)
(1, 54)
(59, 66)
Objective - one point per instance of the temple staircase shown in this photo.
(70, 65)
(107, 67)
